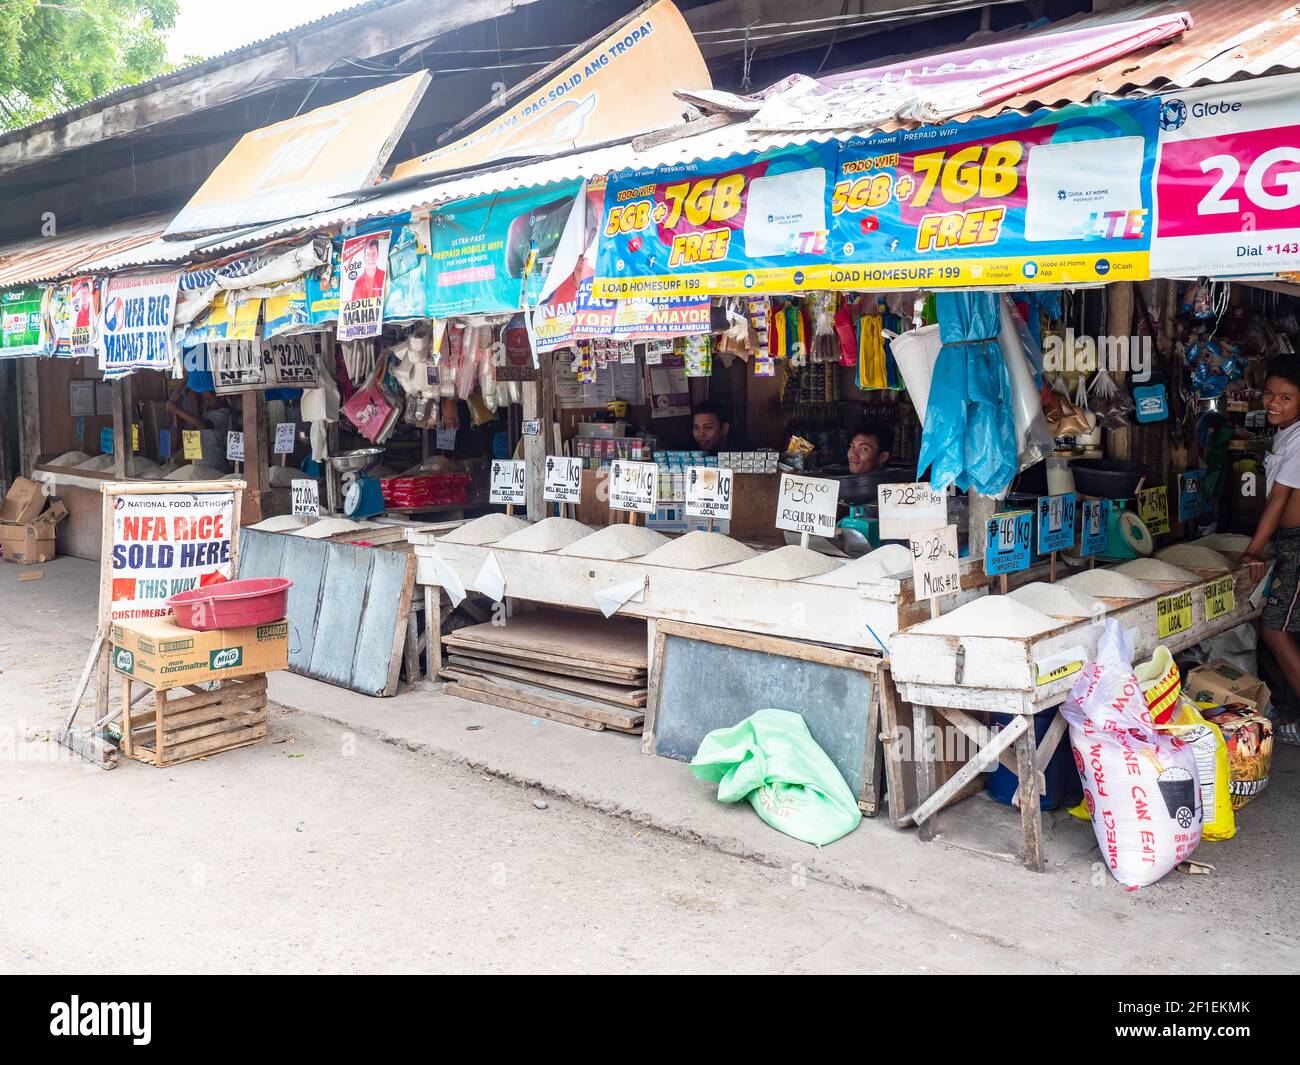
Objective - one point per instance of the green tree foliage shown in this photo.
(57, 54)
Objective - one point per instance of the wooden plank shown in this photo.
(461, 692)
(549, 663)
(226, 709)
(806, 652)
(610, 693)
(433, 630)
(342, 603)
(890, 738)
(576, 706)
(126, 716)
(214, 745)
(977, 765)
(1031, 815)
(869, 803)
(924, 758)
(254, 684)
(381, 633)
(606, 641)
(215, 728)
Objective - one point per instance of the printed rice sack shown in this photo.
(1211, 752)
(1140, 786)
(1248, 737)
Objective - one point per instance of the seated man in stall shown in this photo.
(711, 426)
(869, 445)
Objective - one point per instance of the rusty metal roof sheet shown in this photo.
(66, 254)
(1228, 40)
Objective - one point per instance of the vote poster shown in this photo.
(70, 316)
(572, 312)
(1228, 180)
(136, 322)
(1064, 197)
(489, 253)
(743, 224)
(363, 280)
(166, 544)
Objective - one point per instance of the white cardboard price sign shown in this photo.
(909, 509)
(708, 492)
(235, 446)
(807, 504)
(936, 570)
(508, 483)
(563, 481)
(446, 440)
(306, 497)
(634, 486)
(284, 436)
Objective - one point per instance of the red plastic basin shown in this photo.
(233, 604)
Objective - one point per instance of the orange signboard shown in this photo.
(299, 166)
(620, 87)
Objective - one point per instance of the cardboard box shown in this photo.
(1222, 683)
(28, 544)
(24, 501)
(163, 655)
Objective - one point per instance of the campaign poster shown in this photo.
(167, 544)
(136, 322)
(1228, 180)
(70, 315)
(362, 282)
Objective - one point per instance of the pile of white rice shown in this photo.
(1109, 584)
(888, 561)
(1231, 543)
(1154, 569)
(1195, 556)
(323, 527)
(700, 550)
(1058, 601)
(281, 523)
(991, 615)
(485, 530)
(616, 542)
(789, 563)
(549, 534)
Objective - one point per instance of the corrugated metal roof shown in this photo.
(66, 254)
(1229, 39)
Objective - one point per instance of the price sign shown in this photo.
(1220, 597)
(807, 504)
(908, 509)
(1174, 614)
(1191, 495)
(634, 486)
(1096, 525)
(106, 441)
(1056, 523)
(936, 569)
(235, 446)
(708, 492)
(508, 483)
(533, 427)
(306, 497)
(446, 440)
(135, 437)
(1010, 537)
(164, 444)
(1153, 509)
(563, 482)
(284, 437)
(191, 444)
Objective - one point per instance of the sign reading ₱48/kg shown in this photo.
(807, 504)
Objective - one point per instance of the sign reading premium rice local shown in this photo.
(362, 283)
(166, 544)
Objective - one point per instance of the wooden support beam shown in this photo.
(29, 416)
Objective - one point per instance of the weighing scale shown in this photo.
(859, 531)
(362, 495)
(1119, 482)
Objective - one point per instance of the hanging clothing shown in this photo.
(871, 353)
(789, 332)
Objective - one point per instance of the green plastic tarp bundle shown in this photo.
(772, 760)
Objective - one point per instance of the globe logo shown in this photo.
(1030, 269)
(749, 280)
(1173, 113)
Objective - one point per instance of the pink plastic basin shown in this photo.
(232, 604)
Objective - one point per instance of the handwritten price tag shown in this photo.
(563, 482)
(634, 486)
(807, 504)
(284, 436)
(936, 569)
(509, 483)
(708, 492)
(909, 509)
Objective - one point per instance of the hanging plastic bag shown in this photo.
(772, 760)
(1141, 787)
(1033, 437)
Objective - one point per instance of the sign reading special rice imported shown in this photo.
(136, 322)
(166, 544)
(362, 282)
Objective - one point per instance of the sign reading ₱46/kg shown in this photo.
(563, 482)
(807, 504)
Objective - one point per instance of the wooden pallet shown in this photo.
(623, 695)
(232, 714)
(544, 702)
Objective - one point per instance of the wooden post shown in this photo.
(127, 749)
(29, 417)
(1031, 815)
(923, 757)
(539, 399)
(256, 450)
(123, 456)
